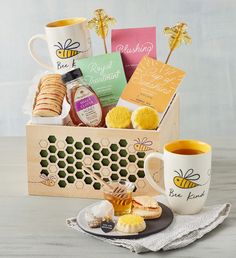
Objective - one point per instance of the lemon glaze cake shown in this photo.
(145, 118)
(118, 117)
(130, 224)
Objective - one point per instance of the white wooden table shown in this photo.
(34, 226)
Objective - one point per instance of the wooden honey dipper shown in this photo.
(118, 191)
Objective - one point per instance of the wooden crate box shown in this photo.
(55, 155)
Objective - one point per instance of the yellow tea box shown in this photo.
(152, 84)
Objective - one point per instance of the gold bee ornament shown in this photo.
(178, 35)
(100, 23)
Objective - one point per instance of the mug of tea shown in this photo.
(68, 40)
(187, 174)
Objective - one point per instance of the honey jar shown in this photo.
(86, 109)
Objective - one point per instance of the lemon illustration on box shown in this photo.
(105, 73)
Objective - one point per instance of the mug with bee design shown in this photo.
(187, 174)
(68, 40)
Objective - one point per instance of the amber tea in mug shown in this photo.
(187, 174)
(187, 151)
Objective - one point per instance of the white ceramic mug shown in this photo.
(187, 173)
(68, 40)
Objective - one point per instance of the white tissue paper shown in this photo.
(103, 209)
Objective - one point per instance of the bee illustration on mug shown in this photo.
(185, 181)
(142, 145)
(68, 50)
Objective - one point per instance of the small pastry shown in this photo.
(145, 118)
(97, 213)
(145, 202)
(148, 214)
(131, 224)
(118, 117)
(146, 207)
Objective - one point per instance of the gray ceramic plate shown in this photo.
(152, 226)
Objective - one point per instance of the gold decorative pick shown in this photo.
(178, 35)
(100, 23)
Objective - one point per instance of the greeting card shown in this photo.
(106, 75)
(133, 43)
(152, 84)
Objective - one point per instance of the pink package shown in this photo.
(133, 43)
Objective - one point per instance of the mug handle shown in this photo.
(32, 52)
(154, 155)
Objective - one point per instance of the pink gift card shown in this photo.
(133, 43)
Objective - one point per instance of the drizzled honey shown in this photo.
(122, 203)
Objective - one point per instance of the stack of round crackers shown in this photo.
(50, 95)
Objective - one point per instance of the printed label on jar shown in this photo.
(87, 107)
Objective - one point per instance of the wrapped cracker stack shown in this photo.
(50, 96)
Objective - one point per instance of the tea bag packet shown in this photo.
(153, 84)
(133, 44)
(106, 76)
(95, 215)
(92, 220)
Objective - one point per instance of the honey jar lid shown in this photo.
(71, 75)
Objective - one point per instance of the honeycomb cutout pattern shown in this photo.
(110, 161)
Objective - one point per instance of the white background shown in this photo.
(208, 93)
